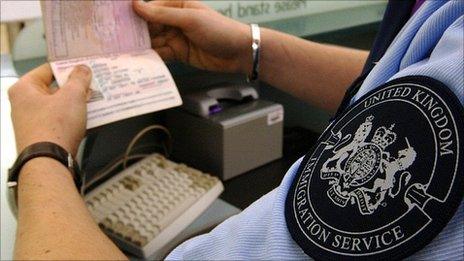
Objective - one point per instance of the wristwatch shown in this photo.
(41, 149)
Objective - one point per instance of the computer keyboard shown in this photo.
(145, 206)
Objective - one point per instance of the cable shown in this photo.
(167, 146)
(126, 156)
(107, 170)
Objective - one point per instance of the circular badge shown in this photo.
(385, 178)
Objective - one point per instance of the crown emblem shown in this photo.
(383, 137)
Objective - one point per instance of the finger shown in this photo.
(180, 3)
(39, 78)
(41, 75)
(166, 3)
(172, 34)
(166, 53)
(166, 37)
(78, 82)
(158, 42)
(156, 29)
(156, 13)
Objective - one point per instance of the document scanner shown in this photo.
(226, 130)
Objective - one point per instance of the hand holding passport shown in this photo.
(129, 78)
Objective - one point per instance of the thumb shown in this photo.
(155, 12)
(78, 82)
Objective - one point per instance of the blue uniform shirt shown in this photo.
(431, 44)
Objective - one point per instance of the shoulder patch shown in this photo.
(385, 177)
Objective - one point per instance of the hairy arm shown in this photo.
(53, 221)
(316, 73)
(192, 32)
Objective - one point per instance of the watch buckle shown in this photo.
(70, 161)
(11, 184)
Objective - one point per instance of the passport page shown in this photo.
(128, 77)
(77, 28)
(123, 85)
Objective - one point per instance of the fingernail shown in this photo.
(82, 69)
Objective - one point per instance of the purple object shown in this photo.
(416, 6)
(215, 109)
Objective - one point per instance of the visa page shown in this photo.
(129, 78)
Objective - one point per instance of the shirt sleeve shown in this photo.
(258, 233)
(446, 64)
(443, 62)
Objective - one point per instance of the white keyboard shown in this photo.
(145, 206)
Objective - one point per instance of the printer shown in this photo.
(226, 130)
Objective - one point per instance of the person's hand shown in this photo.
(42, 114)
(191, 32)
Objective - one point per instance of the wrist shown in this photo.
(45, 169)
(245, 59)
(252, 53)
(39, 167)
(38, 159)
(71, 147)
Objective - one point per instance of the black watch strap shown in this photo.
(41, 149)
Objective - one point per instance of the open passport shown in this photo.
(129, 78)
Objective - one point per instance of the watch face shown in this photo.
(385, 178)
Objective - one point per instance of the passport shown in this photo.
(128, 77)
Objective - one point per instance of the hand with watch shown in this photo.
(48, 122)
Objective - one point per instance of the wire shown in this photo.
(107, 170)
(167, 145)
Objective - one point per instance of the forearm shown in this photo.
(53, 221)
(316, 73)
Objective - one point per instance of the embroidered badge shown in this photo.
(384, 178)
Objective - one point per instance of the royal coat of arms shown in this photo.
(384, 178)
(363, 171)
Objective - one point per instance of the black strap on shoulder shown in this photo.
(395, 17)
